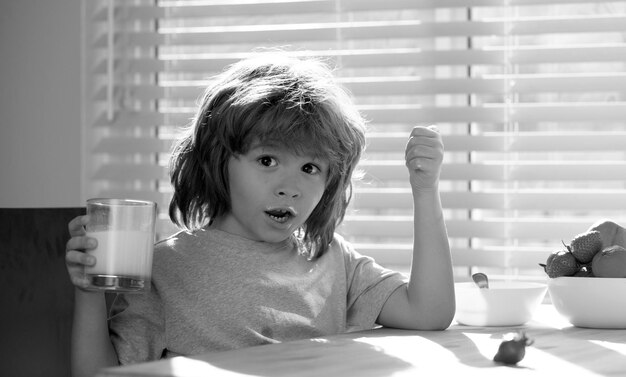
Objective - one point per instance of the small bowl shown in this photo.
(590, 301)
(504, 303)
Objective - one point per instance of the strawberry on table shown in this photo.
(513, 350)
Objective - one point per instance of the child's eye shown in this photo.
(310, 169)
(267, 161)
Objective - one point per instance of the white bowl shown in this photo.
(504, 303)
(590, 301)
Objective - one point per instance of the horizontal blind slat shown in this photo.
(411, 85)
(440, 4)
(527, 112)
(238, 8)
(131, 172)
(396, 142)
(453, 171)
(595, 200)
(507, 258)
(358, 30)
(232, 8)
(131, 145)
(497, 228)
(501, 171)
(394, 57)
(509, 142)
(408, 113)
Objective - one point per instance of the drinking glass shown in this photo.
(125, 231)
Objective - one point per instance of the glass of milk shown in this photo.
(125, 231)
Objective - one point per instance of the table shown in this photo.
(559, 349)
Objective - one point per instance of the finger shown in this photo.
(430, 131)
(81, 243)
(428, 147)
(421, 163)
(76, 226)
(427, 138)
(435, 153)
(75, 257)
(425, 141)
(80, 281)
(424, 157)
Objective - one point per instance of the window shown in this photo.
(529, 95)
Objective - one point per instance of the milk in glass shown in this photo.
(124, 230)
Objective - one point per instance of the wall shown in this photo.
(40, 103)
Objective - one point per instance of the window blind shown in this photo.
(529, 96)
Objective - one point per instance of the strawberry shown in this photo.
(561, 263)
(584, 246)
(513, 350)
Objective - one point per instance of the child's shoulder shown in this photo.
(345, 247)
(177, 241)
(340, 245)
(171, 239)
(341, 241)
(190, 241)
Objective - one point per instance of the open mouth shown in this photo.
(280, 215)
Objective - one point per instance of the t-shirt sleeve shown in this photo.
(136, 327)
(369, 287)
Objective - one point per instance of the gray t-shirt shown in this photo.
(214, 291)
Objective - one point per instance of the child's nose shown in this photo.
(288, 188)
(288, 192)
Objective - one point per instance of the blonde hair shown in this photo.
(273, 98)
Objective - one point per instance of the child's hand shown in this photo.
(75, 257)
(424, 155)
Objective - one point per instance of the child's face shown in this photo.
(273, 192)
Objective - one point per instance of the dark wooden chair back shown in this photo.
(36, 295)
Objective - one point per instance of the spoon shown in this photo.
(481, 280)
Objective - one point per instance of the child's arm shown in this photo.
(91, 346)
(427, 302)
